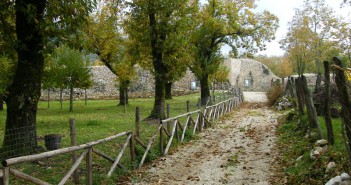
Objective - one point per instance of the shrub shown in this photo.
(273, 93)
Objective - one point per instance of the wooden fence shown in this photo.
(167, 130)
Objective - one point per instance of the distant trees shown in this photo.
(279, 65)
(227, 22)
(68, 69)
(308, 41)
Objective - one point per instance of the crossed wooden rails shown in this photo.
(170, 127)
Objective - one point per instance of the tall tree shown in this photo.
(110, 44)
(158, 30)
(313, 24)
(34, 23)
(227, 22)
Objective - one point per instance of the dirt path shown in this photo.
(237, 150)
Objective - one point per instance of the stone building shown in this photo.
(249, 74)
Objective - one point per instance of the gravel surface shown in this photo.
(236, 150)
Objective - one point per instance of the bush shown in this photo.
(273, 93)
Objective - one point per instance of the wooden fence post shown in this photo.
(89, 163)
(132, 148)
(5, 175)
(72, 128)
(326, 115)
(85, 97)
(161, 140)
(168, 116)
(198, 103)
(187, 106)
(137, 122)
(345, 101)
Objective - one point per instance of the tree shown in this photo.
(69, 69)
(110, 44)
(227, 22)
(29, 25)
(158, 31)
(312, 26)
(279, 65)
(297, 44)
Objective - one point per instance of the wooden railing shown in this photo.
(170, 128)
(199, 120)
(88, 150)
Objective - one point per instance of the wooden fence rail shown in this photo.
(168, 129)
(87, 154)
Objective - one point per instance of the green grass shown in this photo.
(96, 120)
(293, 144)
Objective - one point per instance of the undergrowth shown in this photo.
(295, 164)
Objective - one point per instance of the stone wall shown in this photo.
(105, 85)
(249, 75)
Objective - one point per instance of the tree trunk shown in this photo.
(156, 41)
(169, 90)
(300, 96)
(327, 116)
(123, 95)
(1, 103)
(311, 110)
(205, 90)
(48, 97)
(24, 92)
(345, 101)
(159, 104)
(71, 99)
(61, 91)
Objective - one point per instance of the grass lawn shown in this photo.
(96, 120)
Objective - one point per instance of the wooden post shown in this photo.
(198, 103)
(132, 148)
(168, 110)
(6, 175)
(89, 163)
(137, 122)
(125, 101)
(326, 115)
(161, 140)
(345, 101)
(300, 96)
(85, 97)
(48, 97)
(187, 106)
(311, 110)
(72, 129)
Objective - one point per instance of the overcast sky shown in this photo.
(284, 10)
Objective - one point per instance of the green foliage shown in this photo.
(221, 75)
(6, 73)
(67, 68)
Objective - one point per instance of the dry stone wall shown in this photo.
(105, 85)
